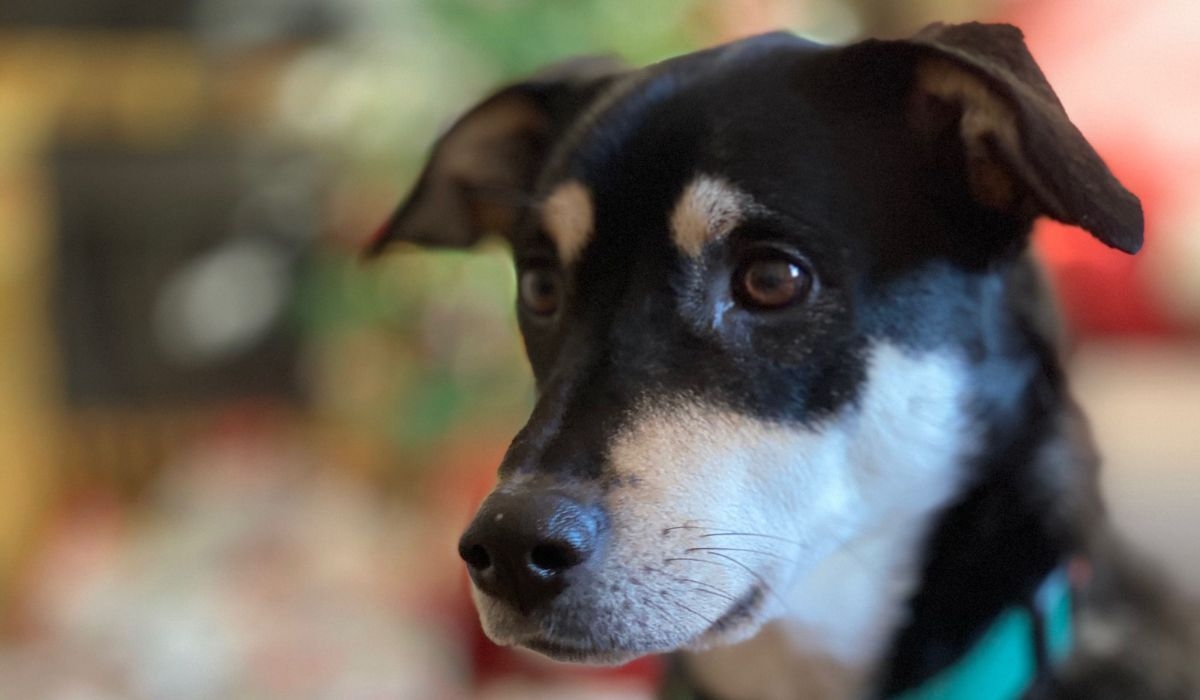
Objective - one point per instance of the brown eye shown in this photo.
(770, 283)
(541, 291)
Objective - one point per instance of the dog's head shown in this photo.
(767, 294)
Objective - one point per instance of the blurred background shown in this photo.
(234, 461)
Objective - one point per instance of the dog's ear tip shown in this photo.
(1126, 242)
(1135, 233)
(1130, 233)
(1121, 227)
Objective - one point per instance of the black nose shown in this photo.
(520, 547)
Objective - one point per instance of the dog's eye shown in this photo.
(770, 282)
(541, 291)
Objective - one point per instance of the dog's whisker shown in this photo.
(671, 609)
(767, 588)
(708, 620)
(710, 589)
(702, 561)
(718, 594)
(753, 534)
(684, 527)
(717, 532)
(762, 581)
(672, 617)
(738, 549)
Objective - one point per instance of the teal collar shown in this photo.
(1003, 664)
(1007, 659)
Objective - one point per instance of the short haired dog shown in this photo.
(801, 419)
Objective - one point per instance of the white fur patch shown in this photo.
(568, 220)
(708, 209)
(825, 522)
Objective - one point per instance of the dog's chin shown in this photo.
(569, 652)
(545, 634)
(534, 635)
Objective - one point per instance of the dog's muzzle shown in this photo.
(525, 548)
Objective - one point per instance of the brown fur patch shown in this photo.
(568, 219)
(708, 209)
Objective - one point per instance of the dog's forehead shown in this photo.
(688, 149)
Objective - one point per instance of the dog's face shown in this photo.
(759, 287)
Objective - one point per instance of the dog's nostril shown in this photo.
(553, 557)
(526, 548)
(477, 557)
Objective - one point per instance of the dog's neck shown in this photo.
(906, 599)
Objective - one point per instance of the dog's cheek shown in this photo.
(726, 503)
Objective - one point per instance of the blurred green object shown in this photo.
(415, 347)
(519, 36)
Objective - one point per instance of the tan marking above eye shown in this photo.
(709, 208)
(568, 219)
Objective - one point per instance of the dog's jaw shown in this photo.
(725, 523)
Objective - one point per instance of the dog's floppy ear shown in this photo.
(481, 171)
(1022, 152)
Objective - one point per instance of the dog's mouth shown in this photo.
(572, 651)
(565, 651)
(741, 611)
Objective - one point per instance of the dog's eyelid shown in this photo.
(538, 263)
(768, 244)
(782, 236)
(537, 258)
(538, 250)
(770, 228)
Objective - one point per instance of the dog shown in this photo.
(801, 419)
